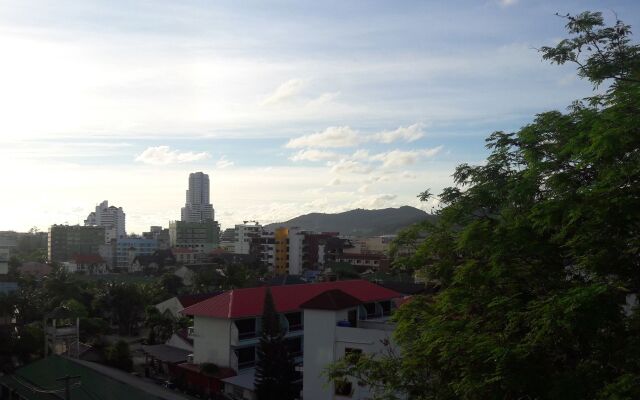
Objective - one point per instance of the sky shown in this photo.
(291, 107)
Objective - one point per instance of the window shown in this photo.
(294, 346)
(386, 307)
(371, 310)
(246, 357)
(352, 316)
(295, 321)
(246, 328)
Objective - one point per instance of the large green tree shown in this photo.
(536, 252)
(275, 373)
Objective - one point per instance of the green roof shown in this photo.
(96, 382)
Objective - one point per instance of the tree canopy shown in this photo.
(536, 253)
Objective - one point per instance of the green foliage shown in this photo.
(536, 252)
(275, 373)
(118, 356)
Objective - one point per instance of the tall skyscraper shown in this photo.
(197, 207)
(110, 217)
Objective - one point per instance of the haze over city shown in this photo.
(290, 108)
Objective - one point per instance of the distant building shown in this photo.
(4, 261)
(67, 240)
(244, 235)
(199, 236)
(198, 207)
(296, 250)
(127, 248)
(160, 234)
(90, 264)
(35, 269)
(376, 262)
(111, 218)
(8, 240)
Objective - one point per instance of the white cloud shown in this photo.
(323, 99)
(349, 166)
(335, 182)
(374, 201)
(163, 155)
(507, 3)
(400, 158)
(334, 136)
(409, 133)
(223, 163)
(361, 154)
(284, 92)
(313, 155)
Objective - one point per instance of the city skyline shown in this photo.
(290, 108)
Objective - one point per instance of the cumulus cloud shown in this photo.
(399, 158)
(409, 133)
(345, 136)
(334, 136)
(163, 155)
(284, 92)
(313, 155)
(223, 163)
(349, 166)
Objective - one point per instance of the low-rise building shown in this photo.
(90, 264)
(227, 327)
(377, 262)
(35, 269)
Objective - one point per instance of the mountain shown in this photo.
(358, 222)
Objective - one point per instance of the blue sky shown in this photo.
(291, 107)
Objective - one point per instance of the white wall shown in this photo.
(319, 335)
(325, 343)
(211, 341)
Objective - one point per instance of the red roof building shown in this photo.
(243, 303)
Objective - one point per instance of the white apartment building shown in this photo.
(243, 236)
(337, 324)
(111, 218)
(226, 328)
(197, 207)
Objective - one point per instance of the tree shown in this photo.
(275, 372)
(537, 253)
(118, 356)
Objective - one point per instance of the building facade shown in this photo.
(65, 241)
(127, 248)
(111, 218)
(198, 207)
(201, 237)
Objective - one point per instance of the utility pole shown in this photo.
(67, 385)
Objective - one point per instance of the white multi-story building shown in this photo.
(111, 218)
(243, 236)
(198, 207)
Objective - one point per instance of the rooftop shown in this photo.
(248, 302)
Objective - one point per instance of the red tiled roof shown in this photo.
(88, 259)
(334, 299)
(240, 303)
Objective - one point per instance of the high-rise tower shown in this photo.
(197, 207)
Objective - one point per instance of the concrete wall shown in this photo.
(319, 332)
(171, 305)
(211, 341)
